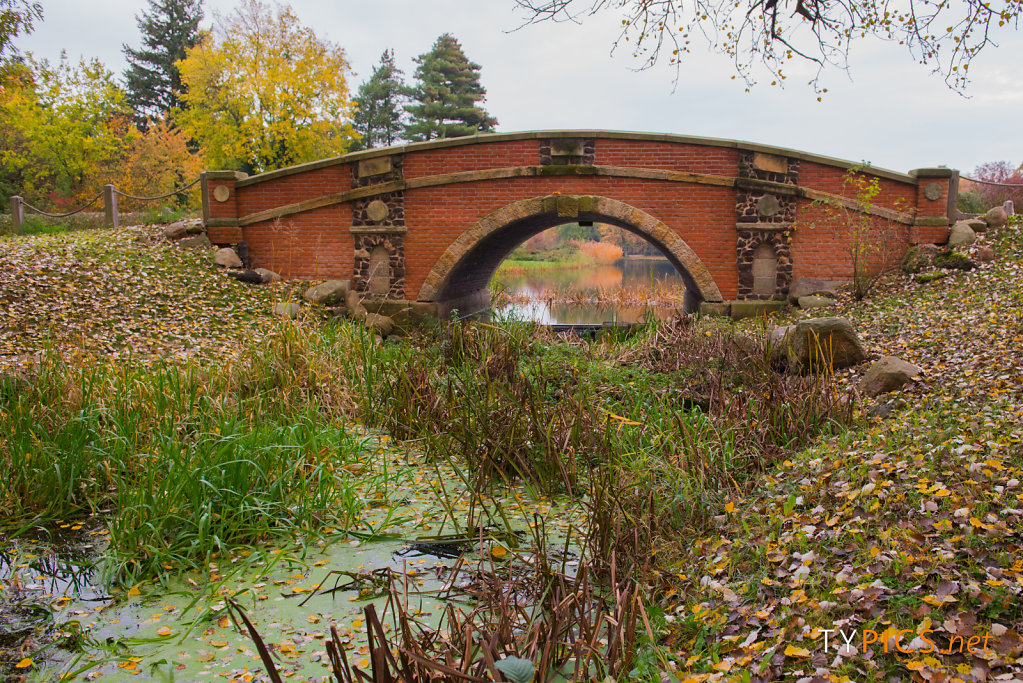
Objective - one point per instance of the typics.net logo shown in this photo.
(849, 642)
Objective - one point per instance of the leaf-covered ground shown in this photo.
(895, 552)
(123, 292)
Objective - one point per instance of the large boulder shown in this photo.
(809, 286)
(266, 275)
(986, 254)
(819, 343)
(327, 293)
(816, 301)
(996, 217)
(200, 241)
(354, 304)
(287, 310)
(227, 258)
(918, 258)
(887, 374)
(961, 235)
(176, 230)
(380, 324)
(953, 260)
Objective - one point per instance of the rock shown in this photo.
(986, 254)
(996, 217)
(195, 227)
(819, 343)
(249, 276)
(327, 293)
(918, 258)
(953, 260)
(227, 258)
(808, 286)
(977, 224)
(924, 278)
(176, 231)
(814, 301)
(286, 310)
(195, 242)
(380, 324)
(961, 235)
(880, 411)
(887, 374)
(354, 303)
(268, 275)
(1009, 207)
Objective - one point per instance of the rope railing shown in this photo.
(162, 196)
(108, 194)
(1018, 186)
(61, 215)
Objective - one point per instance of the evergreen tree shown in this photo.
(152, 81)
(380, 118)
(446, 93)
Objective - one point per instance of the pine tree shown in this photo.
(447, 92)
(152, 81)
(380, 118)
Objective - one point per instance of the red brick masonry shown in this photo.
(447, 212)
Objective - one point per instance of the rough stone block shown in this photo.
(376, 166)
(751, 309)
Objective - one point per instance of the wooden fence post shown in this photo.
(17, 213)
(110, 205)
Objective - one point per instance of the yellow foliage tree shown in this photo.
(262, 91)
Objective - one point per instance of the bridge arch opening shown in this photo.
(460, 277)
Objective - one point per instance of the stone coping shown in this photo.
(483, 138)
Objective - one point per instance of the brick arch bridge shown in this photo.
(425, 225)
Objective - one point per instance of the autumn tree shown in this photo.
(169, 28)
(447, 94)
(262, 91)
(946, 36)
(63, 130)
(156, 162)
(16, 17)
(380, 116)
(1000, 181)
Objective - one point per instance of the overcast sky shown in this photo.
(889, 111)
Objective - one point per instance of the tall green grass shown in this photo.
(189, 462)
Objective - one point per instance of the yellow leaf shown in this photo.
(134, 590)
(218, 643)
(499, 551)
(729, 506)
(23, 664)
(793, 651)
(224, 622)
(165, 631)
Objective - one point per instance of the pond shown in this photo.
(568, 294)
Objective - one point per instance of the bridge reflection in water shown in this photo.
(582, 295)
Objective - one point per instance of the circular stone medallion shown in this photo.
(768, 205)
(932, 191)
(221, 193)
(377, 210)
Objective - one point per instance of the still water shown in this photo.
(575, 295)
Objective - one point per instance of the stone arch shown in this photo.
(466, 267)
